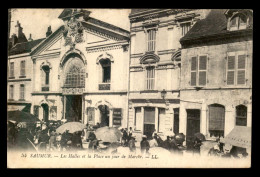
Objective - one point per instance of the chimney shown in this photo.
(18, 29)
(14, 40)
(49, 32)
(30, 38)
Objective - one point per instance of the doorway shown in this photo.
(193, 125)
(104, 115)
(73, 108)
(149, 121)
(45, 116)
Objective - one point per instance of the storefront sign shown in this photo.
(117, 116)
(91, 114)
(117, 112)
(53, 113)
(72, 91)
(116, 121)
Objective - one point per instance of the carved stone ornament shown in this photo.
(73, 32)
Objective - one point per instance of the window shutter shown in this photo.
(138, 119)
(202, 70)
(241, 66)
(231, 70)
(149, 115)
(193, 71)
(216, 117)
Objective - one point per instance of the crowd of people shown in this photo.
(44, 137)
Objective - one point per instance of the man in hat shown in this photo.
(131, 144)
(144, 145)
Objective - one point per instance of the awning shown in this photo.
(19, 106)
(240, 136)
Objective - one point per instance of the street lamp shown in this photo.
(163, 93)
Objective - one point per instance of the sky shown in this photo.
(36, 21)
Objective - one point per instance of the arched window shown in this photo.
(45, 78)
(106, 70)
(75, 77)
(216, 120)
(241, 115)
(239, 21)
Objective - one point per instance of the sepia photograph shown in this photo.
(129, 88)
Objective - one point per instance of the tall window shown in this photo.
(216, 120)
(151, 38)
(11, 92)
(150, 75)
(106, 70)
(138, 119)
(161, 121)
(241, 115)
(22, 68)
(185, 27)
(12, 69)
(238, 22)
(236, 69)
(45, 78)
(22, 89)
(176, 120)
(75, 77)
(199, 71)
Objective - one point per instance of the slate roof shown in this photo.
(134, 11)
(214, 23)
(24, 47)
(107, 25)
(67, 12)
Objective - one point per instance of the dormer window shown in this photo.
(238, 22)
(239, 19)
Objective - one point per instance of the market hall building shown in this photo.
(80, 71)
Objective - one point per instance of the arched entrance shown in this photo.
(104, 115)
(73, 87)
(45, 109)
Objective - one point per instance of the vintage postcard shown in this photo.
(129, 88)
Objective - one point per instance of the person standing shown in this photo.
(130, 133)
(196, 146)
(144, 145)
(124, 137)
(131, 144)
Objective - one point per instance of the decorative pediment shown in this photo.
(45, 63)
(105, 55)
(176, 57)
(149, 58)
(74, 52)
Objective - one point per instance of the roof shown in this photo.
(214, 23)
(107, 25)
(67, 12)
(134, 11)
(24, 47)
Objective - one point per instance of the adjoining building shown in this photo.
(155, 66)
(19, 81)
(216, 76)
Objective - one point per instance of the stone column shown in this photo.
(156, 118)
(230, 119)
(142, 117)
(203, 116)
(249, 115)
(182, 118)
(110, 117)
